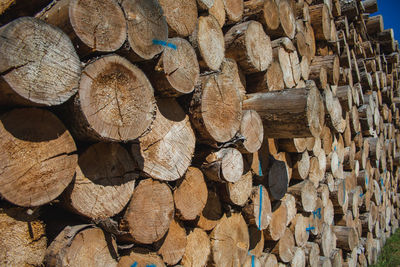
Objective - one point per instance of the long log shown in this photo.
(289, 113)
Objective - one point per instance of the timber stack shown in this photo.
(197, 133)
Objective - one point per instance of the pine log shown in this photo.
(140, 257)
(218, 11)
(305, 195)
(190, 196)
(103, 189)
(40, 69)
(82, 245)
(91, 25)
(23, 242)
(331, 64)
(298, 227)
(312, 251)
(102, 110)
(301, 168)
(224, 165)
(252, 130)
(285, 248)
(269, 259)
(271, 80)
(277, 226)
(258, 211)
(287, 20)
(198, 249)
(142, 220)
(212, 212)
(166, 151)
(234, 10)
(177, 71)
(230, 251)
(238, 193)
(38, 157)
(208, 40)
(267, 12)
(374, 25)
(370, 6)
(299, 258)
(290, 203)
(321, 22)
(289, 113)
(181, 16)
(216, 109)
(256, 241)
(328, 240)
(174, 245)
(292, 145)
(347, 237)
(248, 44)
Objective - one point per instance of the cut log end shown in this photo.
(99, 24)
(38, 157)
(38, 64)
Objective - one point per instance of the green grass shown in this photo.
(390, 255)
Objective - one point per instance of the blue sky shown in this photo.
(390, 10)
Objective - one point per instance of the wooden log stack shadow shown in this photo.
(197, 133)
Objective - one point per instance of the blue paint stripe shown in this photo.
(164, 43)
(344, 191)
(252, 261)
(260, 208)
(134, 264)
(260, 173)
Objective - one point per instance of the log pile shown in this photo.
(197, 133)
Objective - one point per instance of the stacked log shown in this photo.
(197, 133)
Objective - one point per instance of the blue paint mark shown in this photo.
(382, 182)
(309, 228)
(252, 261)
(366, 179)
(164, 43)
(134, 264)
(335, 148)
(260, 173)
(151, 265)
(260, 209)
(317, 213)
(361, 195)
